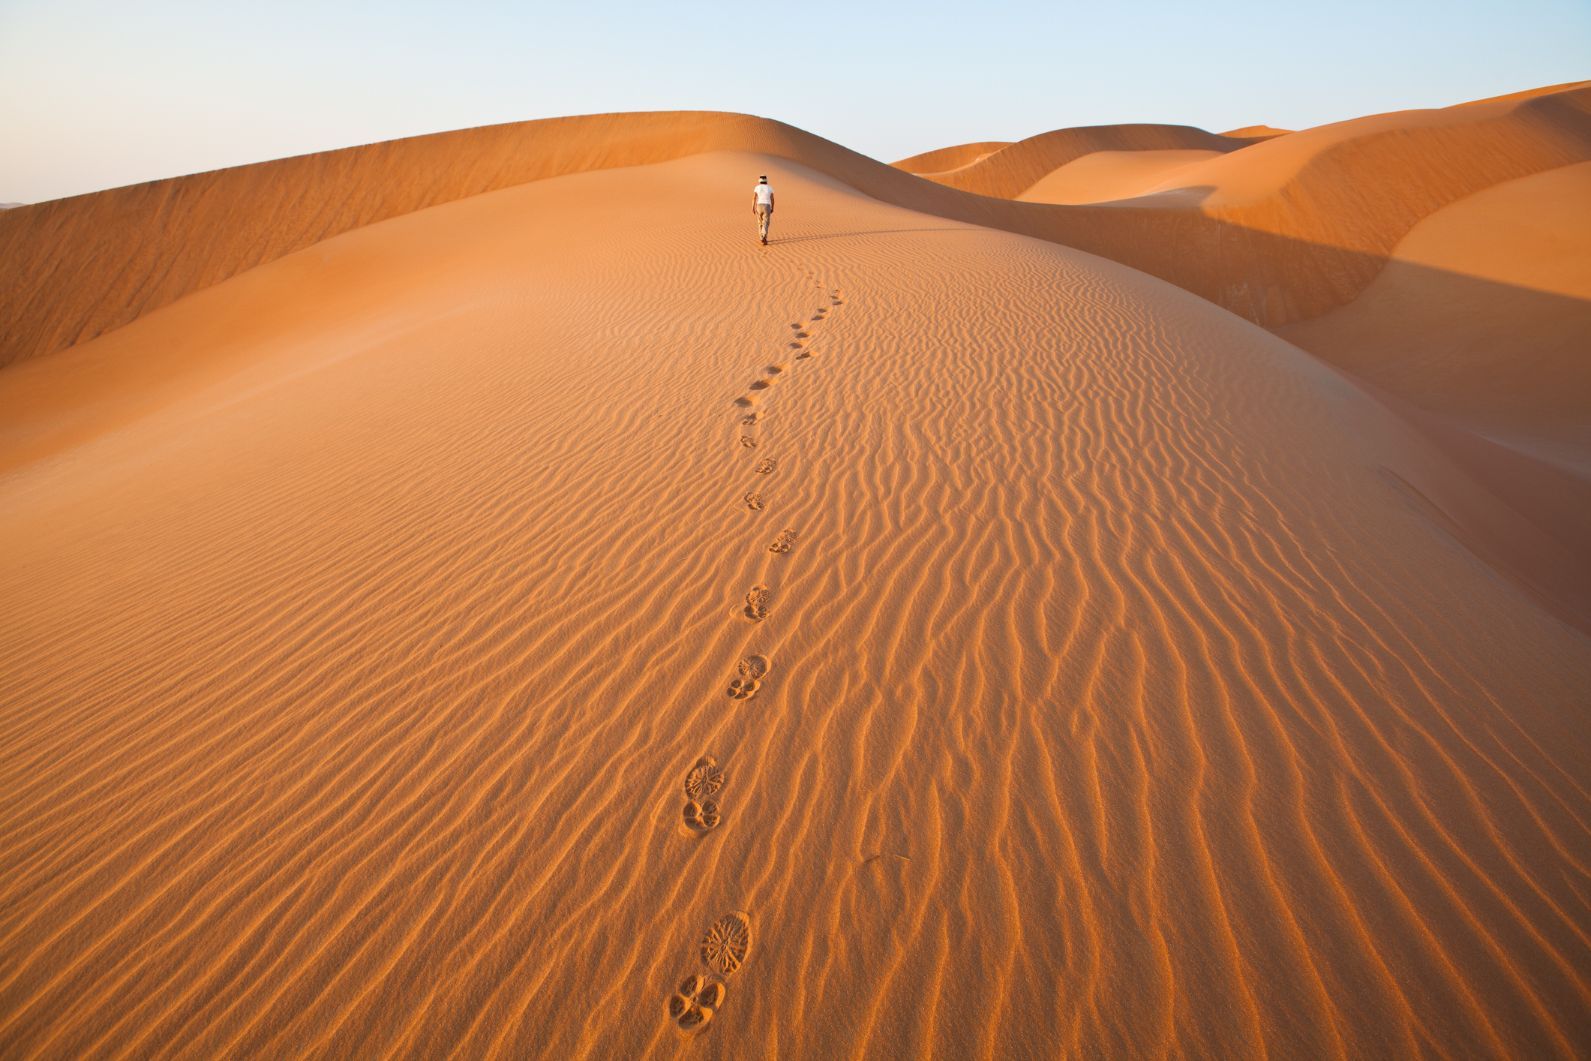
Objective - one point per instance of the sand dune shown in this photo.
(1252, 132)
(75, 268)
(1400, 164)
(1012, 170)
(1103, 176)
(1481, 317)
(1280, 232)
(1483, 310)
(1297, 225)
(1523, 94)
(953, 157)
(548, 623)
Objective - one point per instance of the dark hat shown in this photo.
(763, 177)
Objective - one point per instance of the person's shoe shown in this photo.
(765, 241)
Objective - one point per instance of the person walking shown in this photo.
(762, 206)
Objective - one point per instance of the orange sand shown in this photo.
(1484, 309)
(947, 158)
(1256, 132)
(1282, 231)
(1104, 176)
(550, 624)
(1014, 169)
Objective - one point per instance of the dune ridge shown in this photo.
(75, 268)
(1293, 227)
(1482, 309)
(953, 157)
(1107, 176)
(1257, 131)
(1123, 683)
(1012, 170)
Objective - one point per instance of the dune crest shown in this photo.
(1282, 231)
(1108, 176)
(1012, 170)
(1252, 132)
(953, 157)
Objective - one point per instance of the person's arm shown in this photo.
(770, 200)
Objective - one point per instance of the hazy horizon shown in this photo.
(98, 95)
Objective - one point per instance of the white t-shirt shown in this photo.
(764, 194)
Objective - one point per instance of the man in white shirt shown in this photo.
(762, 206)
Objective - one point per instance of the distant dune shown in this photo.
(1253, 132)
(1108, 176)
(466, 597)
(950, 157)
(1484, 308)
(1012, 170)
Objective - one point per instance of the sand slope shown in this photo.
(1483, 310)
(1388, 166)
(1252, 132)
(1481, 318)
(1125, 684)
(75, 268)
(953, 157)
(1280, 232)
(1103, 176)
(1012, 170)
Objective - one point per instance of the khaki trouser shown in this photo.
(764, 216)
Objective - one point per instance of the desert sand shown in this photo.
(1256, 132)
(1109, 176)
(1008, 172)
(501, 612)
(1483, 309)
(949, 158)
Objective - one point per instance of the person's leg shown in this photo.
(763, 214)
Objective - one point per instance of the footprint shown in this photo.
(795, 346)
(704, 780)
(784, 542)
(748, 442)
(702, 785)
(701, 817)
(695, 1002)
(802, 335)
(803, 355)
(760, 385)
(765, 466)
(748, 677)
(757, 603)
(726, 943)
(754, 502)
(750, 418)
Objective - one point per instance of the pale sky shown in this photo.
(99, 93)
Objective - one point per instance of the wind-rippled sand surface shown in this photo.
(1108, 676)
